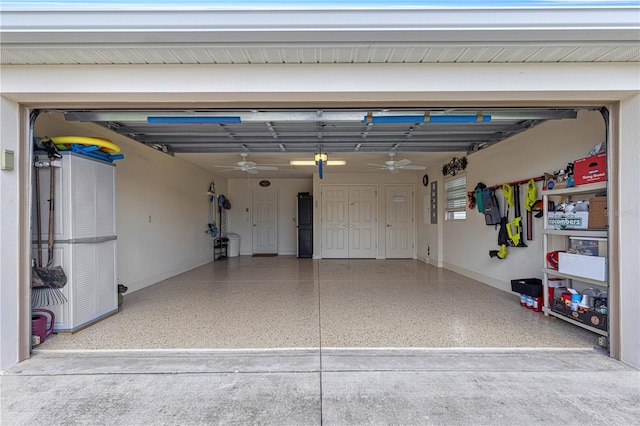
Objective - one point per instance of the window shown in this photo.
(456, 198)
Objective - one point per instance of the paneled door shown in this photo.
(349, 221)
(362, 221)
(265, 221)
(400, 230)
(335, 221)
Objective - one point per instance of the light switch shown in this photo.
(6, 159)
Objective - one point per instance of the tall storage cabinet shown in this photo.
(305, 225)
(559, 239)
(84, 238)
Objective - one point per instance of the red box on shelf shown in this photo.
(590, 169)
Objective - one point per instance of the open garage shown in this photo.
(534, 100)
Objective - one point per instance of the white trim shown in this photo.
(163, 28)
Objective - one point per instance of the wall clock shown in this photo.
(425, 180)
(264, 183)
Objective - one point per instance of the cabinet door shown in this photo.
(105, 200)
(83, 296)
(106, 286)
(83, 188)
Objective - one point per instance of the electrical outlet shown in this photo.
(35, 340)
(149, 218)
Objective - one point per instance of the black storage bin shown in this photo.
(528, 286)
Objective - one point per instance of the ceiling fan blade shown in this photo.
(377, 165)
(402, 163)
(265, 168)
(252, 171)
(414, 167)
(228, 167)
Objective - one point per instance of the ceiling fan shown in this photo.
(395, 166)
(247, 166)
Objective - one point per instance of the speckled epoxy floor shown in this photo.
(284, 302)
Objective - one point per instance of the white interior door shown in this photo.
(335, 221)
(349, 221)
(265, 221)
(362, 221)
(400, 235)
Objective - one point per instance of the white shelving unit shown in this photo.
(549, 234)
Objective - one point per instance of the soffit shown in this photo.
(304, 36)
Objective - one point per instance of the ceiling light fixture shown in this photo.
(315, 163)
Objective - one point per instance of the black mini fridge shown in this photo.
(305, 225)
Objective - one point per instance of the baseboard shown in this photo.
(156, 278)
(485, 279)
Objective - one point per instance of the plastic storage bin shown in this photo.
(234, 245)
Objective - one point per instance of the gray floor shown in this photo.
(313, 387)
(284, 302)
(287, 342)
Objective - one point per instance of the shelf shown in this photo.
(555, 273)
(576, 190)
(593, 233)
(549, 311)
(547, 235)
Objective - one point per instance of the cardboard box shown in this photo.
(569, 220)
(598, 218)
(593, 267)
(590, 169)
(588, 317)
(589, 246)
(529, 286)
(555, 182)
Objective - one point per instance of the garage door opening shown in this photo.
(443, 291)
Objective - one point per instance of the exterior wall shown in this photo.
(627, 219)
(14, 307)
(329, 84)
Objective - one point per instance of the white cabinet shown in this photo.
(559, 239)
(85, 238)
